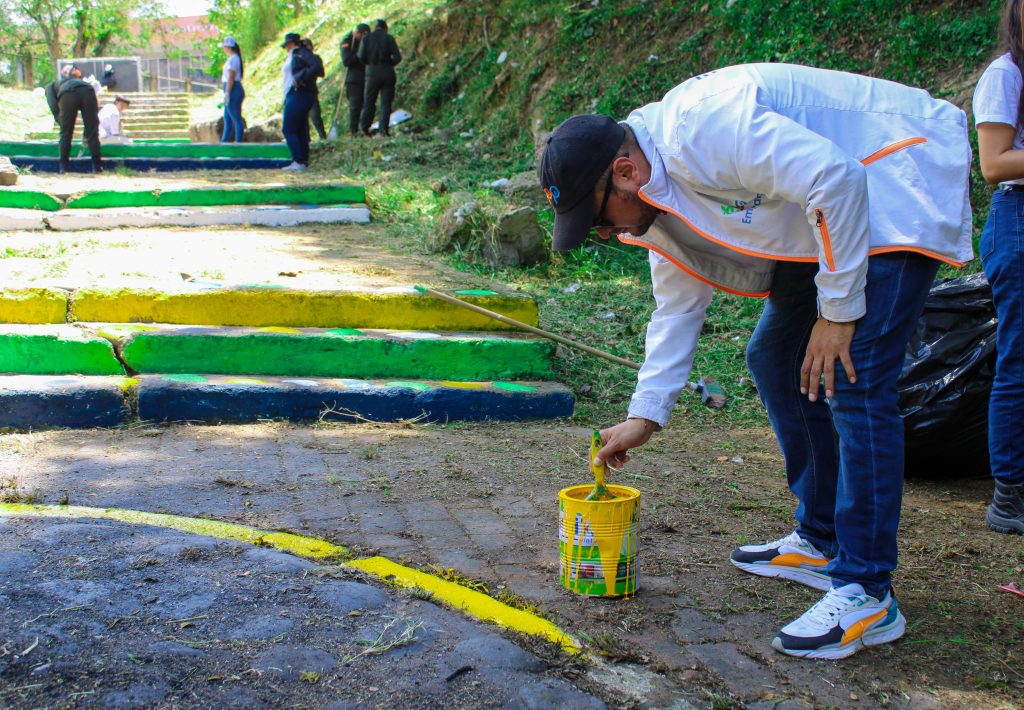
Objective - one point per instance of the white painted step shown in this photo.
(263, 215)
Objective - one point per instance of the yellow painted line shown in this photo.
(33, 305)
(285, 542)
(294, 308)
(473, 602)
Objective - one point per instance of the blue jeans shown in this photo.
(233, 125)
(844, 455)
(295, 123)
(1002, 254)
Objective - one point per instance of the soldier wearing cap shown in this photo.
(834, 196)
(68, 96)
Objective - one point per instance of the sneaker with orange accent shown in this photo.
(791, 558)
(844, 621)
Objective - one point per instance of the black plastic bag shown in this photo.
(947, 379)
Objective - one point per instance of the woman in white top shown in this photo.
(999, 115)
(234, 94)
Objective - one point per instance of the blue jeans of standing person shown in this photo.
(844, 455)
(234, 127)
(1002, 254)
(295, 123)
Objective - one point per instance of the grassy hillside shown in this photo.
(563, 58)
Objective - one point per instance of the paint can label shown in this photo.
(598, 542)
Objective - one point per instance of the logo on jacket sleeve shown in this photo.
(552, 195)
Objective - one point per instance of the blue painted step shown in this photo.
(40, 401)
(238, 399)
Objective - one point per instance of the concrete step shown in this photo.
(151, 125)
(212, 303)
(181, 133)
(178, 136)
(268, 194)
(132, 348)
(50, 149)
(205, 216)
(38, 401)
(84, 165)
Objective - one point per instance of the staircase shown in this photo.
(86, 355)
(150, 116)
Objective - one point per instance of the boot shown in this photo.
(1006, 511)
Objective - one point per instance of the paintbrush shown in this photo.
(600, 492)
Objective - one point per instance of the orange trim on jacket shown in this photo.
(826, 241)
(694, 274)
(890, 149)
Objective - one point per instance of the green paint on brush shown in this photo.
(418, 386)
(476, 292)
(29, 200)
(210, 196)
(327, 355)
(187, 379)
(56, 352)
(513, 387)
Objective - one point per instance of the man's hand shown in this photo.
(621, 438)
(829, 342)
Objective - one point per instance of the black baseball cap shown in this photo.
(575, 158)
(291, 37)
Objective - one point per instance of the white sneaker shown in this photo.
(844, 621)
(294, 166)
(791, 558)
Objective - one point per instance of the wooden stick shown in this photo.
(529, 328)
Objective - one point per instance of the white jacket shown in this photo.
(760, 163)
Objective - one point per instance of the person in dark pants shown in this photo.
(67, 97)
(300, 71)
(355, 74)
(314, 114)
(379, 54)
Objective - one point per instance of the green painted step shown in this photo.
(239, 194)
(342, 352)
(36, 149)
(55, 350)
(29, 200)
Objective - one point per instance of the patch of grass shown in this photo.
(370, 453)
(398, 631)
(11, 491)
(450, 574)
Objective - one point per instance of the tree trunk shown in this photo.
(81, 41)
(27, 66)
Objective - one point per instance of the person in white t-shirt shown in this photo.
(234, 94)
(999, 115)
(110, 121)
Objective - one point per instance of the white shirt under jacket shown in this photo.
(759, 163)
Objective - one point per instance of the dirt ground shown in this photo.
(308, 256)
(480, 499)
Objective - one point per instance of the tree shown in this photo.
(49, 16)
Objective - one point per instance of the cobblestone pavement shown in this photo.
(459, 497)
(105, 614)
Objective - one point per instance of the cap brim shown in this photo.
(573, 226)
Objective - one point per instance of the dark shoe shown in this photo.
(97, 169)
(64, 169)
(1006, 511)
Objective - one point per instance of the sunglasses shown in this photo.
(601, 221)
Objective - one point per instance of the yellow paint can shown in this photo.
(598, 541)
